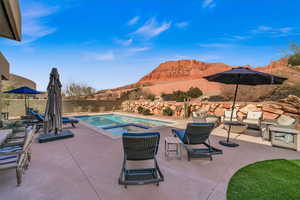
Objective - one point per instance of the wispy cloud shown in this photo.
(275, 32)
(208, 4)
(152, 28)
(138, 49)
(34, 24)
(216, 45)
(124, 42)
(102, 56)
(182, 25)
(134, 20)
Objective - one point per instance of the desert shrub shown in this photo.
(167, 111)
(146, 111)
(151, 97)
(194, 92)
(294, 58)
(178, 96)
(140, 109)
(217, 98)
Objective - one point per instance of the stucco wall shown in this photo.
(15, 107)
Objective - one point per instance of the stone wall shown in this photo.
(16, 108)
(271, 110)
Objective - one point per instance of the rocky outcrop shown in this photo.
(271, 110)
(182, 70)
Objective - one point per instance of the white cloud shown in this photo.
(152, 28)
(182, 25)
(103, 56)
(215, 45)
(134, 20)
(138, 49)
(208, 4)
(275, 32)
(124, 42)
(34, 26)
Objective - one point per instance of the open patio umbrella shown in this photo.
(53, 113)
(24, 90)
(242, 76)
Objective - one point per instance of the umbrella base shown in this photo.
(49, 137)
(228, 143)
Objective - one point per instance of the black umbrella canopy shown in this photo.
(242, 76)
(245, 76)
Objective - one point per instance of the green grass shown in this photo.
(266, 180)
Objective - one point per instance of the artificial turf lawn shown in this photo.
(266, 180)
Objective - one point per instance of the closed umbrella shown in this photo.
(242, 76)
(53, 112)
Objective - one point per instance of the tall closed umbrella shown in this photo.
(53, 113)
(242, 76)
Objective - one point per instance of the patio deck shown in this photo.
(87, 167)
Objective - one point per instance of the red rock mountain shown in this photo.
(182, 70)
(183, 74)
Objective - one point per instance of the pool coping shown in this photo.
(115, 136)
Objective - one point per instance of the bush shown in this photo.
(146, 111)
(181, 96)
(217, 98)
(143, 111)
(194, 92)
(294, 60)
(140, 109)
(151, 97)
(167, 111)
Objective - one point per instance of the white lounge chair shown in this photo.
(227, 116)
(253, 119)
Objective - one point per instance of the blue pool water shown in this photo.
(115, 123)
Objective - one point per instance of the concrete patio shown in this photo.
(88, 165)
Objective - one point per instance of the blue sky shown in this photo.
(111, 43)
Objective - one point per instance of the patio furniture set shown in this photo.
(144, 146)
(281, 132)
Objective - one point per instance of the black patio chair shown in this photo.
(195, 134)
(138, 147)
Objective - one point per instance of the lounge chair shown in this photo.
(17, 157)
(195, 134)
(253, 119)
(227, 116)
(41, 118)
(138, 147)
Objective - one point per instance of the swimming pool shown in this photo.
(118, 124)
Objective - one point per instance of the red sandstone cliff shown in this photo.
(183, 74)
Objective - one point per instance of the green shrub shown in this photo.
(194, 92)
(167, 111)
(146, 111)
(151, 97)
(294, 60)
(217, 98)
(140, 109)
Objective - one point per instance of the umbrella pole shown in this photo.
(232, 109)
(227, 142)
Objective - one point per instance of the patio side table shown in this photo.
(173, 145)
